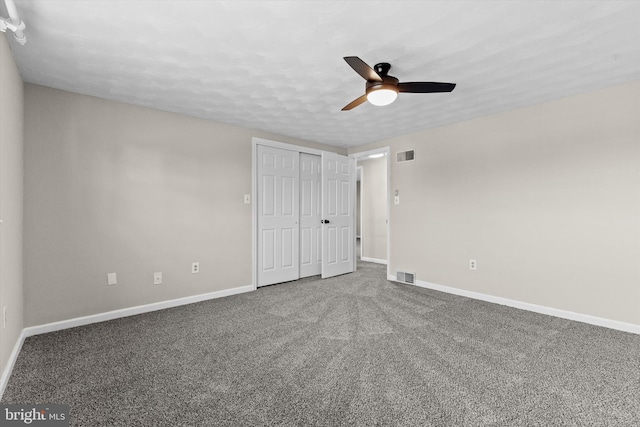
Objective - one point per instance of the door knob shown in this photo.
(325, 221)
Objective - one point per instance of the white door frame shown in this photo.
(361, 156)
(254, 188)
(359, 173)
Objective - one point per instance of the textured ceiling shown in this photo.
(278, 67)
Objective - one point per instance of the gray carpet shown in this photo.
(352, 350)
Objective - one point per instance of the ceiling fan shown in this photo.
(383, 89)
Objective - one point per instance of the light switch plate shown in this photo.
(112, 279)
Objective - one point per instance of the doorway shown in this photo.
(374, 207)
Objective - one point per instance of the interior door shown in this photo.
(278, 215)
(310, 215)
(338, 214)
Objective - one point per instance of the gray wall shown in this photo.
(112, 187)
(11, 193)
(545, 198)
(374, 208)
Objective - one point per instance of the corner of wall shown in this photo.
(11, 211)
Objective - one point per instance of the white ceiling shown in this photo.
(278, 67)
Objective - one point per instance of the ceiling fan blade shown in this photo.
(425, 87)
(361, 67)
(355, 103)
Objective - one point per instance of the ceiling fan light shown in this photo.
(382, 95)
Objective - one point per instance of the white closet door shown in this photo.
(338, 214)
(310, 215)
(278, 215)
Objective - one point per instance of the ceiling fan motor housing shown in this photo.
(388, 82)
(382, 68)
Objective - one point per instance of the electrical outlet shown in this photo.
(112, 279)
(195, 267)
(4, 317)
(472, 264)
(157, 278)
(247, 199)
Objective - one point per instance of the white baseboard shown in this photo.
(4, 379)
(377, 261)
(131, 311)
(109, 315)
(564, 314)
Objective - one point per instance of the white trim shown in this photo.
(254, 214)
(377, 261)
(360, 170)
(285, 146)
(4, 380)
(388, 150)
(131, 311)
(550, 311)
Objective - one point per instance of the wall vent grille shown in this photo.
(404, 277)
(405, 156)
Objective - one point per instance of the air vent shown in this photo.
(405, 156)
(404, 277)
